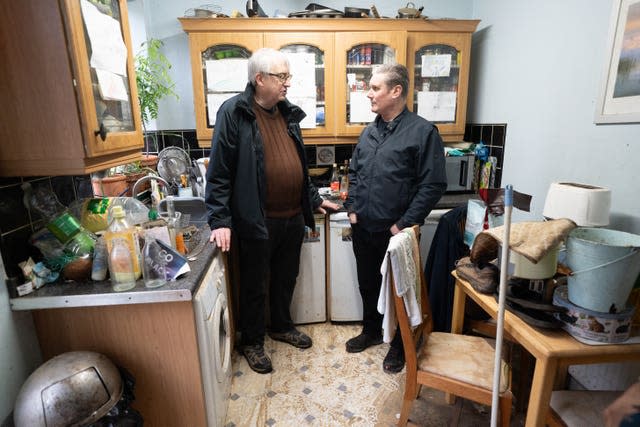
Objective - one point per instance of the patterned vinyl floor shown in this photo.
(326, 386)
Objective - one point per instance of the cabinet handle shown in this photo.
(102, 132)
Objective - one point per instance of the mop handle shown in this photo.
(497, 362)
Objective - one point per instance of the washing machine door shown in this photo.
(221, 336)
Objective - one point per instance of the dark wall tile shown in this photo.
(15, 249)
(310, 152)
(13, 213)
(487, 134)
(64, 188)
(499, 133)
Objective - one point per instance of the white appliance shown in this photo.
(428, 230)
(309, 303)
(345, 303)
(214, 340)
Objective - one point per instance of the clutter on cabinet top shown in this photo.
(587, 205)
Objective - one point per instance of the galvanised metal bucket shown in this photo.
(605, 265)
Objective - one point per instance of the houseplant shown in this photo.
(154, 83)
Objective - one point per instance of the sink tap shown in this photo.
(164, 182)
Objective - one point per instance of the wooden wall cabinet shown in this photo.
(57, 117)
(346, 51)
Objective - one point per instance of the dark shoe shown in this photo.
(393, 361)
(257, 359)
(362, 342)
(293, 337)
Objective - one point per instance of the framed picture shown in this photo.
(619, 100)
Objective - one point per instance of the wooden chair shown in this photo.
(456, 364)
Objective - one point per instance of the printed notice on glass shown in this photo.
(227, 75)
(111, 86)
(437, 106)
(302, 91)
(108, 51)
(302, 67)
(360, 108)
(308, 105)
(436, 65)
(214, 102)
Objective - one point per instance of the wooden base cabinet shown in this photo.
(67, 88)
(156, 343)
(331, 63)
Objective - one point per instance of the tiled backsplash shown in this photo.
(493, 136)
(16, 224)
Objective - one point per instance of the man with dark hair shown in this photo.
(258, 186)
(396, 177)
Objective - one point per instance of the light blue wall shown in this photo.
(537, 66)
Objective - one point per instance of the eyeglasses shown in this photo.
(282, 77)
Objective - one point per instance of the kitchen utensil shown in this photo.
(355, 12)
(409, 11)
(172, 163)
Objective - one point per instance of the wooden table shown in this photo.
(554, 350)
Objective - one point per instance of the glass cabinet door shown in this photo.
(359, 55)
(105, 75)
(439, 64)
(311, 65)
(224, 74)
(219, 71)
(436, 76)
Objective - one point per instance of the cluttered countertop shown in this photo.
(91, 293)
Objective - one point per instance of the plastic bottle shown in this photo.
(153, 264)
(62, 224)
(335, 181)
(99, 267)
(121, 267)
(120, 228)
(344, 182)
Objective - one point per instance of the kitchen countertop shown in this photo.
(90, 293)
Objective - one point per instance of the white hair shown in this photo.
(262, 60)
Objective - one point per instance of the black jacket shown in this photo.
(399, 177)
(235, 193)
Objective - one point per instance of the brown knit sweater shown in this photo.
(283, 169)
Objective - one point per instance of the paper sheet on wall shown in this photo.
(227, 75)
(107, 46)
(360, 108)
(214, 101)
(436, 65)
(437, 106)
(111, 86)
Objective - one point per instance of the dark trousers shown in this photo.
(275, 263)
(370, 249)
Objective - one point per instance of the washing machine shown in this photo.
(213, 329)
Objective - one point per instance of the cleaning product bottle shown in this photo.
(119, 228)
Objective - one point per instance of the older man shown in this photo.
(397, 176)
(258, 186)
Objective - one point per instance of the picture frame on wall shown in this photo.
(619, 99)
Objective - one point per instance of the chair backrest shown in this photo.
(412, 339)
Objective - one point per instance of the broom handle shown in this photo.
(497, 362)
